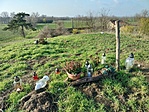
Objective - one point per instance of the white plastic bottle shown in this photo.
(129, 62)
(103, 58)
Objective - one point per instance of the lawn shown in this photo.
(121, 92)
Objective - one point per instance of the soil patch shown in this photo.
(38, 102)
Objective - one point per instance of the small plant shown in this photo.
(75, 31)
(127, 29)
(73, 67)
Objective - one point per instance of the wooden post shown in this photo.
(72, 24)
(117, 45)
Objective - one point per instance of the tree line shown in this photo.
(35, 17)
(91, 21)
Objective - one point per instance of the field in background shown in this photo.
(8, 36)
(67, 24)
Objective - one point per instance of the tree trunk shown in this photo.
(72, 23)
(86, 80)
(23, 33)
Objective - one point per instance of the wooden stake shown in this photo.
(72, 24)
(117, 45)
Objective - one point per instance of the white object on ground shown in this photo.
(1, 110)
(42, 82)
(101, 32)
(129, 63)
(18, 89)
(103, 58)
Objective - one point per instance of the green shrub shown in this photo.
(75, 31)
(144, 26)
(127, 29)
(82, 31)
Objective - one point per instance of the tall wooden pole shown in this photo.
(117, 45)
(72, 24)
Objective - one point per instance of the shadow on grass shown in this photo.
(117, 87)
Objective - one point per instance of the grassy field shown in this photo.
(67, 24)
(123, 92)
(11, 36)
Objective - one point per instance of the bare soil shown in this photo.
(38, 102)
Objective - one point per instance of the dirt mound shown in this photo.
(38, 102)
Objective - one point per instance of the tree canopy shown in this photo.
(18, 23)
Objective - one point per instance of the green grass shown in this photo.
(21, 57)
(7, 36)
(67, 24)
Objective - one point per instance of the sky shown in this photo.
(73, 8)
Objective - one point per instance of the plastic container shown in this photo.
(17, 83)
(129, 62)
(57, 71)
(41, 83)
(103, 58)
(35, 76)
(89, 70)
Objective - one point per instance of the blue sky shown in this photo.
(73, 8)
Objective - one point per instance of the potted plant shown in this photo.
(73, 69)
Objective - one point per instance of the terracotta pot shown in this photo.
(73, 76)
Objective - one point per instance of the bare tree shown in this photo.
(90, 21)
(12, 14)
(33, 19)
(5, 17)
(145, 13)
(77, 21)
(100, 21)
(104, 19)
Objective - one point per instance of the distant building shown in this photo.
(111, 24)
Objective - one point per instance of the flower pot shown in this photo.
(73, 76)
